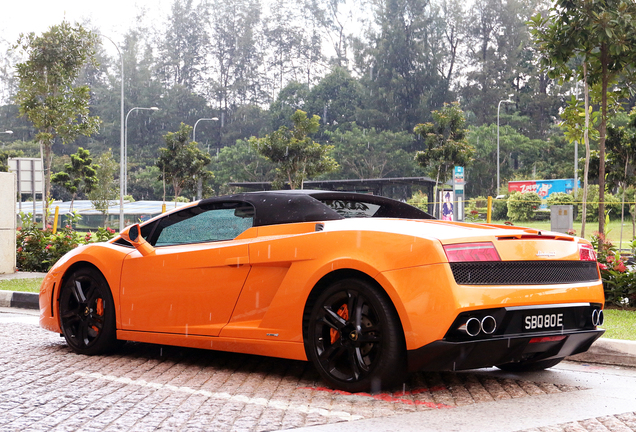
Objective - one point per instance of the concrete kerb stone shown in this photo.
(20, 300)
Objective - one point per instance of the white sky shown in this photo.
(112, 17)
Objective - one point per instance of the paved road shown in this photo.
(44, 386)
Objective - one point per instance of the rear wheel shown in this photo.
(354, 337)
(87, 313)
(529, 365)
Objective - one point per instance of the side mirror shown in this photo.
(132, 235)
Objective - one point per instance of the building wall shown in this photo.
(7, 222)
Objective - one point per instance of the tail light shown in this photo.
(586, 252)
(467, 252)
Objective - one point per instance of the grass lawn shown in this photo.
(619, 323)
(26, 285)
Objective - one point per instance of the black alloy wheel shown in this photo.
(87, 313)
(354, 337)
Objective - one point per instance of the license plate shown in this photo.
(545, 321)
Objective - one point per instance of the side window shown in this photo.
(198, 225)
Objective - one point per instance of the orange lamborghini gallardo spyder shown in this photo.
(364, 287)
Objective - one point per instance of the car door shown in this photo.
(191, 283)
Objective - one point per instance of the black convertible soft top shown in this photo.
(279, 207)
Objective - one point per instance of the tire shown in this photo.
(354, 337)
(530, 365)
(87, 313)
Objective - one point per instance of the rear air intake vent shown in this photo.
(524, 272)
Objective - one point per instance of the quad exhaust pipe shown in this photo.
(597, 317)
(474, 326)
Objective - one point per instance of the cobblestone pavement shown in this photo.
(44, 386)
(617, 423)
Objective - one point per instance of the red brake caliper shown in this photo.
(343, 313)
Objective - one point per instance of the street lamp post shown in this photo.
(121, 137)
(125, 159)
(498, 108)
(194, 130)
(194, 138)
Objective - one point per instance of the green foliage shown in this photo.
(38, 250)
(560, 198)
(619, 281)
(104, 191)
(419, 200)
(4, 158)
(500, 209)
(369, 153)
(79, 175)
(181, 161)
(612, 204)
(240, 163)
(445, 142)
(298, 157)
(521, 207)
(47, 92)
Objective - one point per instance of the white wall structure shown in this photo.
(7, 222)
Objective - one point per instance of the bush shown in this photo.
(560, 198)
(419, 200)
(500, 209)
(612, 204)
(521, 207)
(619, 282)
(38, 250)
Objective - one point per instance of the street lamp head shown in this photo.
(8, 132)
(154, 108)
(215, 118)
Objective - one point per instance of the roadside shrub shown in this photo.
(37, 249)
(619, 282)
(419, 200)
(612, 204)
(500, 209)
(521, 207)
(560, 198)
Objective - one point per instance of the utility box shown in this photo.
(7, 222)
(561, 218)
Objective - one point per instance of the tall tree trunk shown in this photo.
(586, 139)
(601, 146)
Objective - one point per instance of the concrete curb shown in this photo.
(609, 351)
(22, 300)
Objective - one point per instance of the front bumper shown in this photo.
(451, 356)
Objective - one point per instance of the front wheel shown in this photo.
(354, 337)
(87, 313)
(529, 365)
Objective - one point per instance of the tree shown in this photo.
(48, 94)
(79, 175)
(445, 144)
(240, 163)
(298, 157)
(184, 45)
(181, 162)
(105, 191)
(602, 35)
(369, 153)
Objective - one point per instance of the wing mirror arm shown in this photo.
(132, 235)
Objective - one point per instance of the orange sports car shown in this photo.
(364, 287)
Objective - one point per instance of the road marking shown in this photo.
(225, 396)
(391, 398)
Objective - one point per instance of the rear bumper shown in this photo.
(451, 356)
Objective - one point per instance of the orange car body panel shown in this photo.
(250, 297)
